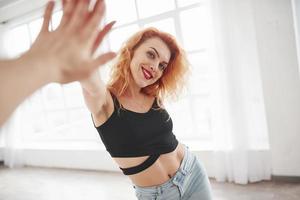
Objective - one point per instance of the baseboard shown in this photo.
(286, 179)
(1, 155)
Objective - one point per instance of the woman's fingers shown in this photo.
(64, 3)
(95, 18)
(80, 13)
(101, 35)
(47, 16)
(68, 9)
(102, 59)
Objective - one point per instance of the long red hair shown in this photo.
(171, 82)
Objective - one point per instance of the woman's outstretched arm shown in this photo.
(63, 55)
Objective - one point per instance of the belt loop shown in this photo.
(179, 186)
(159, 190)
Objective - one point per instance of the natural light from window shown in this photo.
(58, 113)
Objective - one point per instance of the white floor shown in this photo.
(61, 184)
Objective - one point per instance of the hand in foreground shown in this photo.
(66, 54)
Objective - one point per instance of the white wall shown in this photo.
(281, 85)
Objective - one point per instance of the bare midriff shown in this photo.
(160, 172)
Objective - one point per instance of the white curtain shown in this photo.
(11, 130)
(241, 151)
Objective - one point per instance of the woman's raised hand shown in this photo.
(67, 52)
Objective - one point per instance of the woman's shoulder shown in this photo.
(106, 111)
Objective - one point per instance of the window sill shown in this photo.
(64, 145)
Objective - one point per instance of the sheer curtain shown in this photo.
(11, 130)
(240, 132)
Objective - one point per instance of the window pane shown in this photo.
(103, 47)
(202, 117)
(34, 28)
(82, 130)
(56, 17)
(105, 71)
(121, 11)
(53, 96)
(182, 3)
(59, 129)
(200, 62)
(149, 8)
(1, 139)
(56, 118)
(18, 40)
(78, 114)
(166, 25)
(199, 85)
(39, 123)
(196, 35)
(118, 36)
(36, 102)
(73, 95)
(36, 121)
(182, 123)
(199, 82)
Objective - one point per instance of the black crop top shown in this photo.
(131, 134)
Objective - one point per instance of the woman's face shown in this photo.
(149, 61)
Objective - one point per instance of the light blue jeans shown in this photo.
(190, 182)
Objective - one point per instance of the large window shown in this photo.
(57, 112)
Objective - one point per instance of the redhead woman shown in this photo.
(136, 129)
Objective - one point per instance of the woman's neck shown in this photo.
(133, 91)
(133, 94)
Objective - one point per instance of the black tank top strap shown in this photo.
(115, 100)
(154, 103)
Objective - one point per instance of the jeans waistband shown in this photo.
(184, 169)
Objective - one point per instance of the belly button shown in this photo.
(169, 176)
